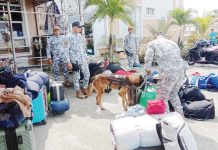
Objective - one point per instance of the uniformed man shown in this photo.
(78, 58)
(55, 52)
(171, 69)
(131, 46)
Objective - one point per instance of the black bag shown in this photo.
(113, 67)
(75, 66)
(190, 93)
(199, 110)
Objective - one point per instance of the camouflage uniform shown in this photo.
(171, 70)
(55, 48)
(131, 46)
(77, 54)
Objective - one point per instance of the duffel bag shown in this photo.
(214, 80)
(204, 82)
(201, 110)
(190, 93)
(59, 106)
(33, 88)
(148, 94)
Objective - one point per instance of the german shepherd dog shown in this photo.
(122, 83)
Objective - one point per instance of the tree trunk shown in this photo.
(110, 40)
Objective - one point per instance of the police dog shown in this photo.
(122, 83)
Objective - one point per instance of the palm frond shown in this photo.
(161, 25)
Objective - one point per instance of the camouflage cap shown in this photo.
(56, 28)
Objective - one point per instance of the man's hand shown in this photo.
(69, 66)
(148, 71)
(50, 61)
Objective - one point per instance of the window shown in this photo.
(150, 12)
(18, 27)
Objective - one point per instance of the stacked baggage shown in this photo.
(169, 131)
(37, 86)
(16, 129)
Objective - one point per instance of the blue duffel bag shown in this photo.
(208, 82)
(59, 106)
(214, 80)
(33, 88)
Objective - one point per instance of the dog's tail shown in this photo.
(91, 86)
(92, 78)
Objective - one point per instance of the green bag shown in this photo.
(149, 93)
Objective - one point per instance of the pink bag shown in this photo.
(156, 107)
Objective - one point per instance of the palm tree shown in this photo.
(180, 18)
(204, 24)
(162, 25)
(114, 9)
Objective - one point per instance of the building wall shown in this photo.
(31, 17)
(162, 9)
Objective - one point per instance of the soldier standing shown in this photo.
(131, 46)
(171, 69)
(55, 52)
(77, 60)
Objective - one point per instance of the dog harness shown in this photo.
(120, 80)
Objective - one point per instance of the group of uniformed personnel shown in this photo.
(65, 50)
(69, 51)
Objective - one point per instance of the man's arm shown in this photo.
(137, 44)
(125, 43)
(48, 48)
(66, 52)
(149, 56)
(85, 47)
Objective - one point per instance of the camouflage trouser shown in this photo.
(168, 88)
(132, 59)
(57, 64)
(76, 76)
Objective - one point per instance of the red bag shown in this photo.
(156, 107)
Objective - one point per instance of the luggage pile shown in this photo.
(16, 128)
(195, 104)
(23, 102)
(170, 131)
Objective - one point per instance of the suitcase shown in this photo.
(21, 138)
(57, 91)
(39, 108)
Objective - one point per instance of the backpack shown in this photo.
(200, 110)
(175, 134)
(190, 93)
